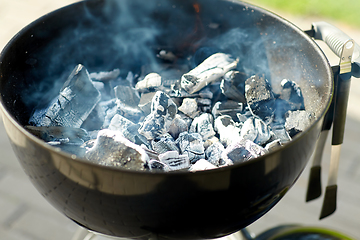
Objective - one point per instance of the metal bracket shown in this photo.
(346, 56)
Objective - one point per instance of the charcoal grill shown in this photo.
(130, 204)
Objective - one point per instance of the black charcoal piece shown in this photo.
(127, 95)
(201, 165)
(179, 125)
(203, 125)
(233, 86)
(77, 98)
(260, 98)
(155, 165)
(112, 149)
(254, 129)
(158, 122)
(191, 144)
(105, 76)
(175, 161)
(164, 143)
(298, 121)
(228, 107)
(213, 153)
(242, 151)
(189, 107)
(206, 93)
(151, 81)
(227, 129)
(145, 102)
(291, 93)
(210, 70)
(204, 104)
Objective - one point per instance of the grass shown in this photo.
(347, 11)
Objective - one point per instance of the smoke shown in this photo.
(104, 35)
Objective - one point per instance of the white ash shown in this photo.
(298, 121)
(189, 107)
(151, 80)
(201, 165)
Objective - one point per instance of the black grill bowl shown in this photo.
(103, 35)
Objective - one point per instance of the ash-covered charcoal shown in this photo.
(233, 86)
(128, 129)
(243, 116)
(164, 143)
(155, 165)
(100, 86)
(254, 129)
(291, 93)
(189, 107)
(145, 102)
(206, 93)
(201, 165)
(260, 98)
(134, 114)
(77, 98)
(203, 125)
(242, 151)
(175, 161)
(127, 95)
(213, 153)
(102, 114)
(210, 70)
(279, 132)
(60, 135)
(158, 122)
(298, 121)
(227, 129)
(273, 145)
(151, 81)
(105, 76)
(228, 107)
(112, 149)
(191, 144)
(179, 125)
(204, 104)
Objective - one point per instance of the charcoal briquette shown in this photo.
(298, 121)
(213, 153)
(227, 129)
(233, 86)
(164, 143)
(291, 93)
(189, 107)
(191, 144)
(127, 95)
(151, 80)
(77, 98)
(203, 125)
(155, 165)
(256, 130)
(175, 161)
(112, 149)
(242, 151)
(210, 70)
(260, 98)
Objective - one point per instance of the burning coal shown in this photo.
(211, 116)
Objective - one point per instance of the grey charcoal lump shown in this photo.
(212, 116)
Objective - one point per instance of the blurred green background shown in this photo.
(346, 11)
